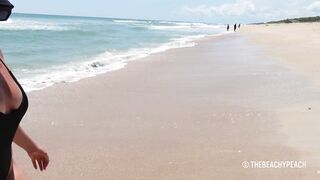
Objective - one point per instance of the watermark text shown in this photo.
(274, 164)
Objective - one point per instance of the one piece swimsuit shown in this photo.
(8, 126)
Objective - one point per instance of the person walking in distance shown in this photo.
(235, 27)
(228, 27)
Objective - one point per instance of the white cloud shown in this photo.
(315, 6)
(252, 10)
(228, 9)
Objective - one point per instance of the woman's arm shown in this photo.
(24, 141)
(35, 153)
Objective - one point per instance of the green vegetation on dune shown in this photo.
(298, 20)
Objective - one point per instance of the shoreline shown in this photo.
(96, 65)
(187, 113)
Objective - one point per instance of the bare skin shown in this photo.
(11, 98)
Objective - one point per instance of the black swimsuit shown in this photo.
(8, 126)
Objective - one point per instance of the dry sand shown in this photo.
(297, 47)
(185, 114)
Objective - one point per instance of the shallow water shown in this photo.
(44, 49)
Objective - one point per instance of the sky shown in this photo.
(211, 11)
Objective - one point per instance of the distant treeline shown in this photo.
(298, 20)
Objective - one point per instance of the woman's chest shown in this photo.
(10, 93)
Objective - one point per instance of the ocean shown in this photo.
(43, 50)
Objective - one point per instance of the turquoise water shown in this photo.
(44, 49)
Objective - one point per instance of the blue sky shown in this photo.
(215, 11)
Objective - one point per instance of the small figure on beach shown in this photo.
(239, 26)
(13, 106)
(228, 27)
(235, 27)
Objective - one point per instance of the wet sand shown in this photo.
(190, 113)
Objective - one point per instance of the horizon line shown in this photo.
(101, 17)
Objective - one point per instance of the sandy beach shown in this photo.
(296, 47)
(192, 113)
(296, 44)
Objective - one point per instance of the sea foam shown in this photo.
(45, 50)
(102, 63)
(22, 25)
